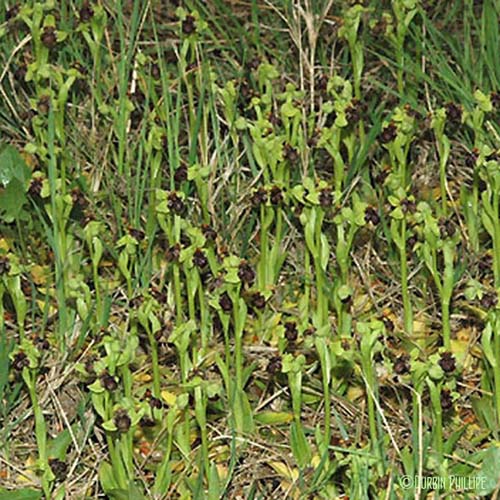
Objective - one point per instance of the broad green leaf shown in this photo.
(273, 418)
(300, 447)
(488, 478)
(58, 446)
(106, 477)
(22, 494)
(14, 178)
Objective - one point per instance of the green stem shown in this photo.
(496, 239)
(496, 369)
(445, 311)
(407, 308)
(326, 398)
(40, 428)
(264, 242)
(238, 350)
(442, 179)
(156, 365)
(371, 409)
(178, 295)
(400, 61)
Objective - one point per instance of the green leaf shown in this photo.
(487, 345)
(107, 478)
(214, 486)
(58, 446)
(488, 477)
(109, 425)
(14, 178)
(344, 292)
(273, 417)
(242, 412)
(300, 446)
(12, 165)
(23, 494)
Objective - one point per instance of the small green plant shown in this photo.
(293, 368)
(440, 239)
(26, 360)
(404, 12)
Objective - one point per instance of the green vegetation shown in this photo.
(249, 249)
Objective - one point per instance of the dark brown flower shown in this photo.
(309, 331)
(59, 468)
(446, 400)
(137, 234)
(155, 403)
(44, 104)
(147, 422)
(489, 300)
(200, 259)
(86, 12)
(325, 197)
(217, 325)
(453, 112)
(189, 25)
(181, 174)
(209, 232)
(259, 197)
(40, 343)
(379, 28)
(276, 195)
(274, 119)
(388, 134)
(371, 215)
(447, 362)
(78, 198)
(35, 187)
(330, 119)
(402, 365)
(495, 156)
(122, 421)
(4, 264)
(291, 332)
(80, 68)
(353, 112)
(388, 323)
(257, 301)
(175, 203)
(20, 361)
(322, 82)
(173, 252)
(485, 263)
(109, 382)
(89, 365)
(12, 12)
(411, 242)
(245, 89)
(290, 154)
(495, 100)
(20, 73)
(408, 206)
(471, 158)
(49, 37)
(274, 366)
(383, 482)
(246, 273)
(226, 303)
(346, 344)
(446, 228)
